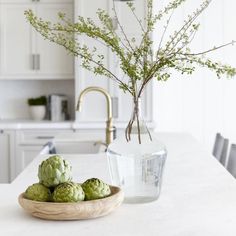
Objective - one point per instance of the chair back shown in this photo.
(231, 166)
(223, 158)
(218, 146)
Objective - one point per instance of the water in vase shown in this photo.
(137, 168)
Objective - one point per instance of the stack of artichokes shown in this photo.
(55, 184)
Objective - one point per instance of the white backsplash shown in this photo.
(14, 95)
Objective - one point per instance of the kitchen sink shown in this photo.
(74, 144)
(79, 147)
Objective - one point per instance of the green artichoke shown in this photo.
(95, 188)
(38, 192)
(53, 171)
(68, 192)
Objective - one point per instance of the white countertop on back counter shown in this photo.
(15, 124)
(198, 198)
(47, 124)
(31, 124)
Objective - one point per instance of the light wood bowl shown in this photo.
(73, 211)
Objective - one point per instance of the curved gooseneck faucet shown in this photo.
(109, 124)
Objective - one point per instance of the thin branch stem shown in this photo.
(164, 32)
(138, 126)
(207, 51)
(95, 62)
(191, 36)
(186, 26)
(121, 27)
(73, 32)
(137, 19)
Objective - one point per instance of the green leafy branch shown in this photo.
(138, 61)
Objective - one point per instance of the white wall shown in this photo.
(201, 104)
(14, 95)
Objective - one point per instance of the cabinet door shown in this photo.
(85, 78)
(29, 144)
(53, 60)
(4, 157)
(24, 155)
(39, 137)
(132, 29)
(15, 41)
(122, 102)
(24, 54)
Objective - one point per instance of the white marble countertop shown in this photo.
(198, 198)
(15, 124)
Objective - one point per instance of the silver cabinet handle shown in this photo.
(115, 109)
(37, 62)
(45, 137)
(32, 62)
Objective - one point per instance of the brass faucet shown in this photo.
(110, 129)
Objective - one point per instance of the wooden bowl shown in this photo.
(73, 211)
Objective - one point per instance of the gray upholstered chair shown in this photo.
(231, 166)
(223, 158)
(218, 146)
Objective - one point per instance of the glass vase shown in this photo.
(136, 160)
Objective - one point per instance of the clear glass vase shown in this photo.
(136, 161)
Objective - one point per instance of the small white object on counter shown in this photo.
(197, 199)
(37, 112)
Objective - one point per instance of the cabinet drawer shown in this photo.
(38, 137)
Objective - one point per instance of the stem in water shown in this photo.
(137, 121)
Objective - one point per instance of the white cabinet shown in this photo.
(54, 59)
(24, 54)
(24, 155)
(84, 78)
(29, 143)
(5, 154)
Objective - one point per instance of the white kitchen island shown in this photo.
(198, 198)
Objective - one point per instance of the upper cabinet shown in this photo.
(122, 103)
(24, 54)
(85, 78)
